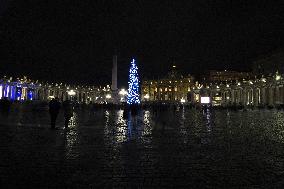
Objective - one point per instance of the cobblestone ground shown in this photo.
(183, 149)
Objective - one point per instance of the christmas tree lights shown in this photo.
(133, 85)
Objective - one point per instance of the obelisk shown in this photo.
(114, 73)
(114, 80)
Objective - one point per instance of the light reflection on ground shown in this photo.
(188, 147)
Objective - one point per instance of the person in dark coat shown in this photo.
(68, 111)
(54, 107)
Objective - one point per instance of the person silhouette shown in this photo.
(54, 107)
(68, 111)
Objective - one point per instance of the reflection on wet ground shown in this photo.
(185, 148)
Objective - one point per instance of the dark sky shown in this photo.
(73, 41)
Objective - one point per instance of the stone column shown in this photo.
(271, 96)
(282, 95)
(277, 96)
(263, 96)
(114, 73)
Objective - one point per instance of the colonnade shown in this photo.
(25, 90)
(259, 92)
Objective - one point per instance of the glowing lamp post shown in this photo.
(146, 97)
(182, 100)
(71, 93)
(122, 94)
(108, 97)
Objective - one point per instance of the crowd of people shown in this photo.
(55, 106)
(68, 107)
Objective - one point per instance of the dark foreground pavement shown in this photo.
(185, 149)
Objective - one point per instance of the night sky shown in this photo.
(74, 41)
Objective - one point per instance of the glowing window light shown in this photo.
(218, 98)
(133, 96)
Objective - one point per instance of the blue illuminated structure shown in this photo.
(6, 91)
(133, 85)
(1, 91)
(18, 93)
(13, 93)
(30, 95)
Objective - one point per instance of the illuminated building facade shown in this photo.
(20, 89)
(80, 94)
(225, 75)
(264, 91)
(173, 88)
(26, 90)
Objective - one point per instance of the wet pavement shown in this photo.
(181, 149)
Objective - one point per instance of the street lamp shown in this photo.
(122, 94)
(71, 93)
(147, 96)
(108, 96)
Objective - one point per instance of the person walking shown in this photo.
(54, 107)
(68, 111)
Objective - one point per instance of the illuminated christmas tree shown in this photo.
(133, 85)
